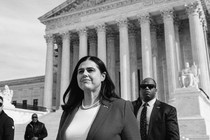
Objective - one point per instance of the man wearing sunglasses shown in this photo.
(156, 120)
(6, 124)
(35, 130)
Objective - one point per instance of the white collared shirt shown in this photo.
(149, 111)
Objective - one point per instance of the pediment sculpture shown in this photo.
(79, 5)
(189, 76)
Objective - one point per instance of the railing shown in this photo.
(29, 107)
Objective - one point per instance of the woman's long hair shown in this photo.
(74, 95)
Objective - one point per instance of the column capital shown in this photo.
(65, 35)
(49, 38)
(204, 23)
(192, 8)
(122, 22)
(167, 14)
(195, 9)
(100, 27)
(82, 30)
(144, 18)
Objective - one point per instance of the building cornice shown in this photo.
(30, 80)
(112, 4)
(68, 18)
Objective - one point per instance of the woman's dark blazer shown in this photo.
(163, 121)
(114, 121)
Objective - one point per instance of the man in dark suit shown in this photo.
(160, 118)
(6, 124)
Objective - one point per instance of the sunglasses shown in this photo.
(1, 104)
(34, 117)
(150, 86)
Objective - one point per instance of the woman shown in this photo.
(92, 110)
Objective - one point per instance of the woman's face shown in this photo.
(89, 77)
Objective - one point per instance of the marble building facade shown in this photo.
(135, 38)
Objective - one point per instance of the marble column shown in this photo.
(58, 78)
(133, 63)
(198, 44)
(75, 45)
(111, 60)
(101, 31)
(154, 51)
(65, 64)
(83, 50)
(156, 69)
(144, 20)
(92, 43)
(124, 60)
(172, 70)
(177, 45)
(48, 85)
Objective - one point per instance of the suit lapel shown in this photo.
(153, 116)
(136, 105)
(100, 118)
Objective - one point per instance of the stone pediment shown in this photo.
(71, 6)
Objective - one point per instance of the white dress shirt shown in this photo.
(149, 111)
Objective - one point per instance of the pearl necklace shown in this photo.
(91, 106)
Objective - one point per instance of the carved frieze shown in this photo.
(61, 22)
(73, 12)
(93, 6)
(80, 5)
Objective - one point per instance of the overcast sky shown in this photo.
(22, 43)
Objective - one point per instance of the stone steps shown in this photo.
(51, 121)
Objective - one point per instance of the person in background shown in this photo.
(157, 120)
(92, 110)
(7, 128)
(35, 130)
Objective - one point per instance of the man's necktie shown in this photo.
(143, 122)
